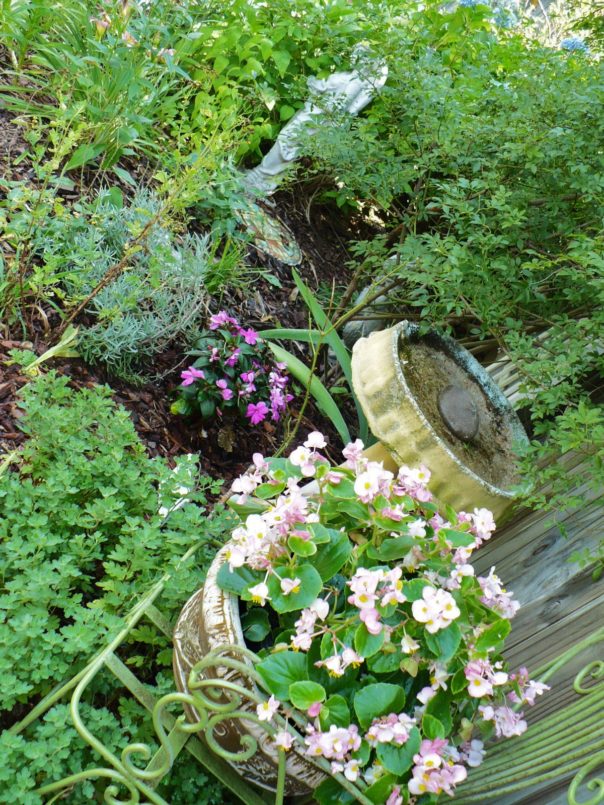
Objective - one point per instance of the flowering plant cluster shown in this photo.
(233, 371)
(383, 635)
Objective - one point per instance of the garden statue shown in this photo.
(346, 92)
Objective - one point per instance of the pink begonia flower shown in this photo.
(226, 392)
(259, 593)
(290, 586)
(367, 485)
(371, 619)
(426, 694)
(417, 528)
(267, 709)
(334, 744)
(390, 729)
(256, 412)
(334, 478)
(190, 375)
(395, 797)
(314, 709)
(472, 752)
(249, 336)
(483, 523)
(315, 441)
(436, 609)
(301, 641)
(532, 690)
(507, 722)
(283, 740)
(495, 596)
(353, 453)
(305, 459)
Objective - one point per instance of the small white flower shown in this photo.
(290, 586)
(259, 593)
(320, 607)
(267, 709)
(409, 645)
(315, 441)
(284, 740)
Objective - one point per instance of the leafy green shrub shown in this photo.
(81, 535)
(483, 156)
(87, 525)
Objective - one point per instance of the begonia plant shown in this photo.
(381, 635)
(234, 371)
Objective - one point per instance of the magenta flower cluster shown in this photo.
(233, 370)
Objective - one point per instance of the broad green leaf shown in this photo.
(378, 699)
(367, 644)
(399, 759)
(323, 398)
(333, 555)
(413, 589)
(303, 694)
(282, 59)
(267, 491)
(292, 334)
(280, 670)
(255, 624)
(494, 635)
(379, 791)
(385, 662)
(444, 643)
(431, 727)
(238, 579)
(330, 791)
(308, 589)
(459, 682)
(439, 706)
(302, 547)
(458, 539)
(320, 533)
(334, 711)
(391, 548)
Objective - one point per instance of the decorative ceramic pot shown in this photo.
(211, 619)
(430, 402)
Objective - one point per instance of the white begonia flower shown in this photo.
(290, 586)
(409, 645)
(267, 709)
(315, 441)
(320, 607)
(284, 740)
(259, 593)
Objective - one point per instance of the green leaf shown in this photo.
(439, 706)
(334, 711)
(494, 635)
(444, 643)
(280, 670)
(459, 682)
(367, 644)
(431, 727)
(458, 539)
(267, 491)
(220, 62)
(282, 59)
(308, 589)
(237, 580)
(320, 533)
(255, 624)
(303, 694)
(391, 548)
(292, 334)
(331, 556)
(330, 791)
(85, 153)
(325, 402)
(339, 348)
(286, 111)
(379, 791)
(413, 589)
(385, 662)
(399, 759)
(302, 547)
(378, 699)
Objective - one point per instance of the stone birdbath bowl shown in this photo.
(428, 401)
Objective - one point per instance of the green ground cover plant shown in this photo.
(81, 538)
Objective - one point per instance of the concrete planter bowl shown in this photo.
(210, 619)
(428, 401)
